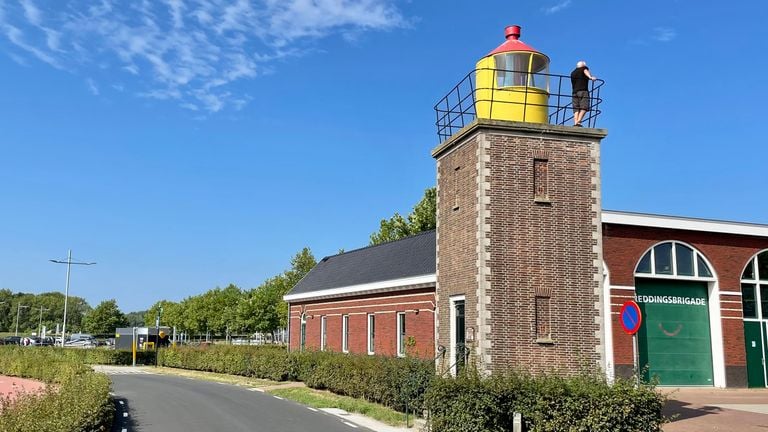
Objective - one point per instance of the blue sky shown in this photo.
(185, 144)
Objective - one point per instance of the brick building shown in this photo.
(526, 270)
(729, 261)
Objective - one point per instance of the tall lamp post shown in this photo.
(18, 310)
(40, 326)
(2, 303)
(69, 264)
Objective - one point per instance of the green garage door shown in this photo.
(674, 341)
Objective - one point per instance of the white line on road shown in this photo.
(124, 430)
(311, 409)
(122, 403)
(350, 424)
(125, 414)
(278, 397)
(256, 389)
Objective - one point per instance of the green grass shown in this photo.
(324, 399)
(213, 376)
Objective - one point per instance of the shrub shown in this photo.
(393, 382)
(548, 403)
(77, 399)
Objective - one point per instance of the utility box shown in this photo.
(146, 338)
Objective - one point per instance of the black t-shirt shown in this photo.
(579, 80)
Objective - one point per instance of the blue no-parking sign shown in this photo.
(630, 317)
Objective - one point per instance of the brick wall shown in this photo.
(546, 248)
(501, 248)
(419, 324)
(456, 238)
(728, 254)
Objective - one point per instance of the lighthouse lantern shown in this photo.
(513, 82)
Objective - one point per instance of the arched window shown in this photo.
(673, 259)
(754, 287)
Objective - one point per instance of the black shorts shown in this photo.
(581, 100)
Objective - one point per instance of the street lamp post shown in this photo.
(40, 325)
(69, 264)
(18, 310)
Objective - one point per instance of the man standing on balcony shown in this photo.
(580, 78)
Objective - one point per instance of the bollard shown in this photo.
(517, 422)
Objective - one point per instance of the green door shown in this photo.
(674, 341)
(753, 339)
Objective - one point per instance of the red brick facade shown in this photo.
(418, 306)
(728, 254)
(520, 239)
(504, 240)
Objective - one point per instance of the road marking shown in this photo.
(125, 414)
(311, 409)
(350, 424)
(124, 430)
(122, 403)
(256, 389)
(278, 397)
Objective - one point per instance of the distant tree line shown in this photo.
(232, 310)
(217, 311)
(52, 304)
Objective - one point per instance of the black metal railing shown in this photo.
(458, 108)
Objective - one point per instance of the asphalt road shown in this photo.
(160, 403)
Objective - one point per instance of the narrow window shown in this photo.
(345, 333)
(456, 188)
(371, 333)
(401, 334)
(748, 300)
(540, 178)
(543, 326)
(323, 324)
(663, 258)
(458, 351)
(303, 335)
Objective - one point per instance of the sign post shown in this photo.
(133, 347)
(630, 319)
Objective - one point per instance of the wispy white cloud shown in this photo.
(188, 51)
(663, 34)
(92, 87)
(656, 35)
(557, 7)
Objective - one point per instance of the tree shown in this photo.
(52, 304)
(263, 309)
(260, 311)
(422, 218)
(135, 319)
(104, 318)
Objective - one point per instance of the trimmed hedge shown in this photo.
(77, 399)
(548, 403)
(393, 382)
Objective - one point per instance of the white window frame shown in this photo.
(323, 332)
(757, 283)
(303, 332)
(760, 318)
(453, 300)
(345, 333)
(400, 334)
(696, 254)
(371, 334)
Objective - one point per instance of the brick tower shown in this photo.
(519, 246)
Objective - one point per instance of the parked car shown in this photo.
(79, 340)
(12, 340)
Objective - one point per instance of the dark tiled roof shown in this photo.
(408, 257)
